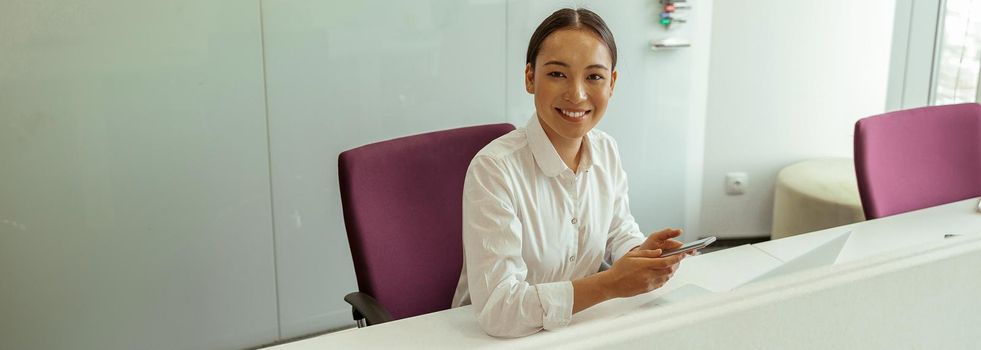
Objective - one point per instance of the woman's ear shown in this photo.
(613, 81)
(529, 79)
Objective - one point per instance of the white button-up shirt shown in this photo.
(531, 226)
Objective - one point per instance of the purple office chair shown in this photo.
(403, 208)
(918, 158)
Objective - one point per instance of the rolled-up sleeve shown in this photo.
(504, 303)
(624, 233)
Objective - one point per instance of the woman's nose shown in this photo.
(576, 93)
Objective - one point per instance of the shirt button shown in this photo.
(574, 221)
(572, 258)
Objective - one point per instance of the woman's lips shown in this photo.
(574, 116)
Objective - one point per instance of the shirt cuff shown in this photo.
(556, 299)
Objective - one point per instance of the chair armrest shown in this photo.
(366, 307)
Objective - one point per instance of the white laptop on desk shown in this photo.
(822, 255)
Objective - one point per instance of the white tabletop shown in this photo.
(717, 272)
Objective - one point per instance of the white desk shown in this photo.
(878, 255)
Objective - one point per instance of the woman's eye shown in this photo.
(556, 74)
(595, 77)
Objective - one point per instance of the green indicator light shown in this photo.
(665, 21)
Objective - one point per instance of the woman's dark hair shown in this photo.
(571, 18)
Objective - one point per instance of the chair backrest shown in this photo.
(403, 208)
(918, 158)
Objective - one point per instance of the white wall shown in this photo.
(787, 81)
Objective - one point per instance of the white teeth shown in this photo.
(573, 114)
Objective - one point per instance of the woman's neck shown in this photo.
(569, 150)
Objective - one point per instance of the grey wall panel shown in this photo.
(344, 74)
(134, 185)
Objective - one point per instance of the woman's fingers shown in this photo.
(665, 234)
(671, 244)
(662, 263)
(662, 239)
(659, 281)
(645, 253)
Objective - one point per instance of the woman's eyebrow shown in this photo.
(563, 64)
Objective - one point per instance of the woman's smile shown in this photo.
(574, 115)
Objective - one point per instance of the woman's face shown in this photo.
(572, 82)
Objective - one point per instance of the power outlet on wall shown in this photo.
(736, 183)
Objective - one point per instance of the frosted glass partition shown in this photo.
(134, 180)
(344, 74)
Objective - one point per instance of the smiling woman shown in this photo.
(546, 206)
(574, 55)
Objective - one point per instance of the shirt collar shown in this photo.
(545, 154)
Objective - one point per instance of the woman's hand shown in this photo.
(662, 240)
(639, 271)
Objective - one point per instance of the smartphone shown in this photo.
(690, 246)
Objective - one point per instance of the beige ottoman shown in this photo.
(814, 195)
